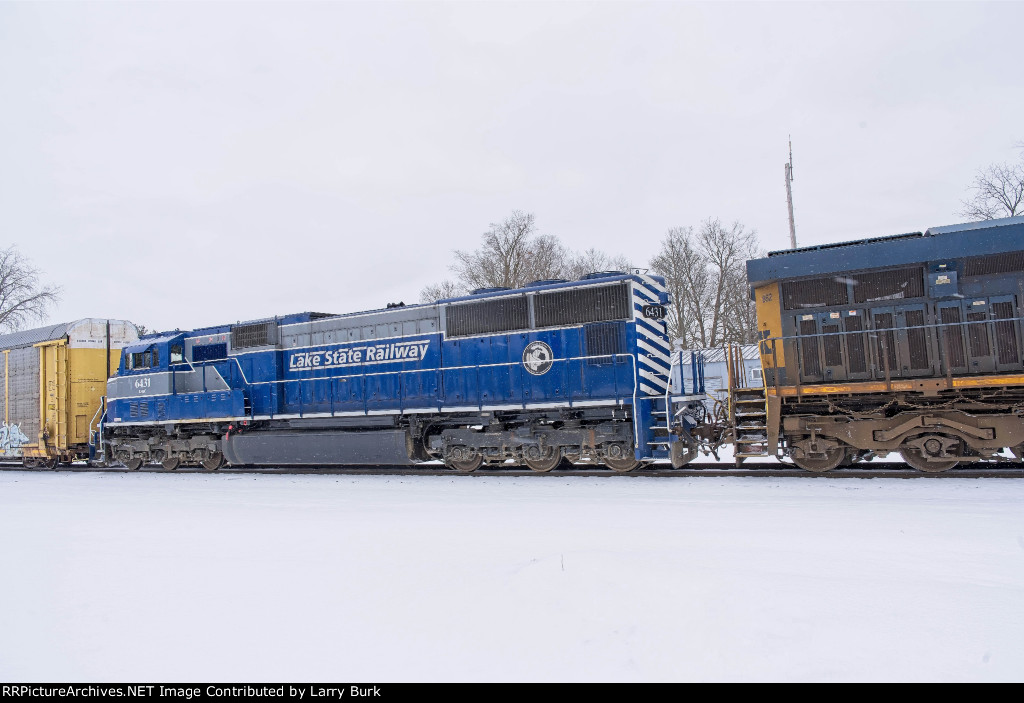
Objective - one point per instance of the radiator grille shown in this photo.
(209, 352)
(886, 341)
(258, 334)
(996, 263)
(488, 316)
(832, 345)
(889, 285)
(813, 293)
(855, 345)
(977, 335)
(917, 339)
(809, 348)
(953, 336)
(1006, 333)
(579, 306)
(604, 339)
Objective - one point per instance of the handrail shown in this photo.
(99, 411)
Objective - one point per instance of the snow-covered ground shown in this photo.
(468, 578)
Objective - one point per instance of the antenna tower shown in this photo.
(789, 196)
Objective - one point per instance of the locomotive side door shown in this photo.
(809, 343)
(883, 322)
(856, 343)
(1006, 331)
(914, 343)
(832, 356)
(981, 356)
(951, 337)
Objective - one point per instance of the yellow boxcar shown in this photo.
(54, 379)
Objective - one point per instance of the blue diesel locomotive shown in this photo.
(554, 373)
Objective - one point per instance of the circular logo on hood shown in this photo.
(537, 358)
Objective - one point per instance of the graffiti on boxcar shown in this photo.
(11, 439)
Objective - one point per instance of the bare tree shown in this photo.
(726, 250)
(512, 254)
(22, 297)
(705, 270)
(997, 191)
(440, 291)
(591, 260)
(686, 277)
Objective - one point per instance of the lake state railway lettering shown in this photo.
(351, 356)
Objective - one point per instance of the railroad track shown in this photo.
(693, 470)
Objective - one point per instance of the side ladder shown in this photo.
(748, 411)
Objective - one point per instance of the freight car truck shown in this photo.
(54, 379)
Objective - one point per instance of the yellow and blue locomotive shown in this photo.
(909, 343)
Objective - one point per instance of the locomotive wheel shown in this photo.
(170, 463)
(620, 458)
(466, 466)
(917, 460)
(545, 463)
(833, 458)
(133, 464)
(213, 462)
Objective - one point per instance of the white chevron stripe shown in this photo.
(658, 344)
(644, 295)
(658, 353)
(652, 282)
(654, 288)
(650, 330)
(647, 390)
(651, 365)
(657, 381)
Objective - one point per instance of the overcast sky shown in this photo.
(184, 164)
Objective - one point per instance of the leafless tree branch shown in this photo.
(23, 298)
(705, 270)
(997, 191)
(512, 254)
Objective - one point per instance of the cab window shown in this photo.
(177, 354)
(144, 360)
